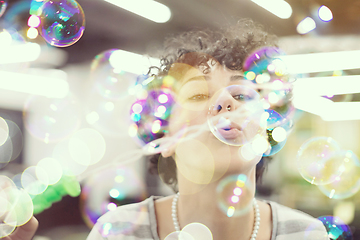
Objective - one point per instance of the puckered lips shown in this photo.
(228, 129)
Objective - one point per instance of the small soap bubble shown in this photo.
(108, 188)
(62, 22)
(196, 231)
(347, 181)
(315, 161)
(336, 228)
(277, 130)
(235, 115)
(34, 180)
(3, 6)
(234, 195)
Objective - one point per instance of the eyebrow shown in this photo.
(207, 78)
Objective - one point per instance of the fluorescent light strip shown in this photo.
(27, 52)
(321, 62)
(326, 86)
(280, 8)
(132, 62)
(148, 9)
(327, 109)
(51, 87)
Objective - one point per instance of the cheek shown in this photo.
(187, 115)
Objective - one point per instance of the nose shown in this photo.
(223, 102)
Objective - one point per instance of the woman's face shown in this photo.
(204, 101)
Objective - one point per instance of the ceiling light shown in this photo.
(280, 8)
(122, 60)
(27, 52)
(325, 14)
(306, 25)
(328, 86)
(148, 9)
(321, 62)
(52, 87)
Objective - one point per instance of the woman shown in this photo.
(208, 86)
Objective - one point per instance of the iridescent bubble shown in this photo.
(235, 115)
(336, 228)
(151, 110)
(105, 190)
(107, 81)
(347, 181)
(277, 131)
(4, 131)
(62, 22)
(51, 120)
(3, 6)
(315, 160)
(179, 235)
(234, 195)
(197, 231)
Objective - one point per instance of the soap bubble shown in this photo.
(347, 182)
(234, 195)
(108, 81)
(277, 131)
(51, 120)
(236, 115)
(62, 22)
(336, 228)
(315, 160)
(3, 6)
(105, 190)
(192, 231)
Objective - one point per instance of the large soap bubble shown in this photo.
(235, 115)
(347, 183)
(315, 160)
(62, 22)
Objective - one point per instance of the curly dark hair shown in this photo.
(228, 46)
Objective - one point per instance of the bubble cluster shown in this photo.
(62, 22)
(234, 195)
(315, 162)
(3, 6)
(108, 189)
(150, 112)
(16, 207)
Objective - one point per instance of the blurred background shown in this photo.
(47, 101)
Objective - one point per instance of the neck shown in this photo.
(200, 203)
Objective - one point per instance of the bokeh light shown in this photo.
(3, 6)
(306, 25)
(4, 131)
(234, 195)
(62, 22)
(315, 161)
(347, 181)
(33, 21)
(103, 190)
(16, 206)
